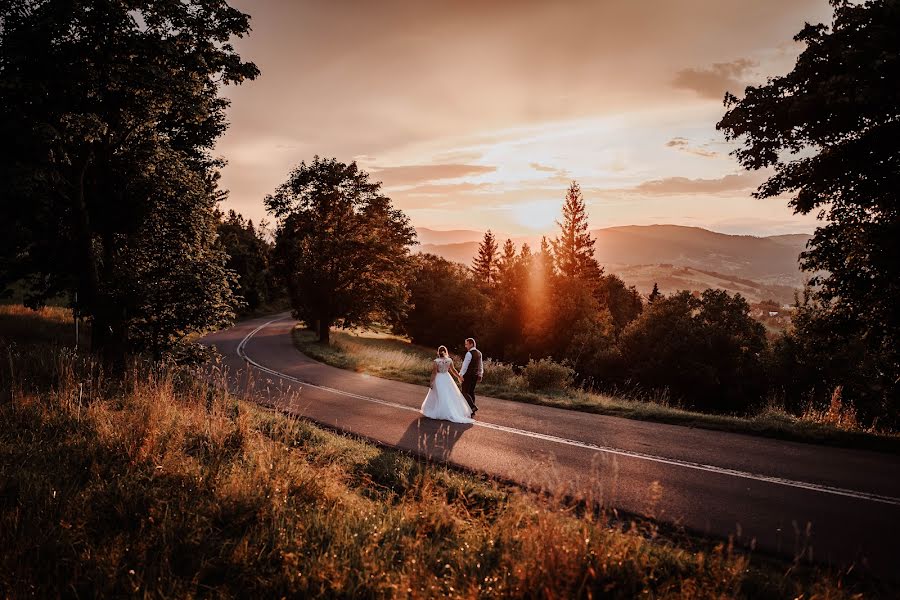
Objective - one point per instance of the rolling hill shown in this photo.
(758, 267)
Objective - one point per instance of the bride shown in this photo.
(444, 400)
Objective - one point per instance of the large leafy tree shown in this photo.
(831, 130)
(341, 247)
(110, 110)
(707, 351)
(445, 307)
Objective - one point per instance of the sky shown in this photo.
(479, 114)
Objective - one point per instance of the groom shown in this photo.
(470, 373)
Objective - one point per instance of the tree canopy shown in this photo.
(830, 129)
(486, 264)
(114, 107)
(573, 249)
(341, 247)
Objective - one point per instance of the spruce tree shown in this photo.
(573, 250)
(654, 295)
(486, 266)
(508, 258)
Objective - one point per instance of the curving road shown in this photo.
(828, 504)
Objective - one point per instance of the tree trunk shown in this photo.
(324, 331)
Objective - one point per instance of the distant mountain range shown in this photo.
(675, 256)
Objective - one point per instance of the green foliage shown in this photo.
(341, 248)
(486, 264)
(707, 351)
(110, 186)
(825, 349)
(831, 130)
(547, 375)
(248, 257)
(624, 302)
(445, 304)
(573, 250)
(500, 374)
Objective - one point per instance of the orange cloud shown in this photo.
(683, 185)
(414, 174)
(680, 143)
(716, 80)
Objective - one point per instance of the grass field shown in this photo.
(162, 485)
(393, 357)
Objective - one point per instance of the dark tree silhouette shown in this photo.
(831, 130)
(109, 185)
(486, 264)
(248, 256)
(705, 350)
(341, 247)
(507, 259)
(573, 249)
(445, 309)
(654, 294)
(624, 302)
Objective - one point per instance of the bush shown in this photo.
(499, 373)
(546, 375)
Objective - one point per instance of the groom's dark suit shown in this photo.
(473, 370)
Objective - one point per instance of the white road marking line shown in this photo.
(827, 489)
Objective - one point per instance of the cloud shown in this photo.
(714, 81)
(680, 143)
(415, 174)
(439, 189)
(542, 168)
(683, 185)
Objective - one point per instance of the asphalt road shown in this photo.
(831, 505)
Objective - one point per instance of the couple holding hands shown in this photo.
(445, 401)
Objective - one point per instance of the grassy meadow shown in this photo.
(393, 357)
(160, 484)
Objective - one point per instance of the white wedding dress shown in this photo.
(444, 400)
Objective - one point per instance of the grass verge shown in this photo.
(391, 357)
(162, 485)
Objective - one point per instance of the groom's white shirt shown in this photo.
(465, 365)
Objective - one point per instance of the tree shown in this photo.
(115, 109)
(341, 247)
(507, 259)
(707, 351)
(624, 302)
(654, 294)
(823, 349)
(248, 256)
(444, 307)
(573, 250)
(486, 265)
(831, 130)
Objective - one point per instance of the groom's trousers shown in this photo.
(468, 390)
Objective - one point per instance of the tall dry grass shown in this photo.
(48, 324)
(159, 484)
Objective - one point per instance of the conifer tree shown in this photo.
(573, 250)
(654, 295)
(507, 258)
(486, 266)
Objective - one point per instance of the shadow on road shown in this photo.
(431, 438)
